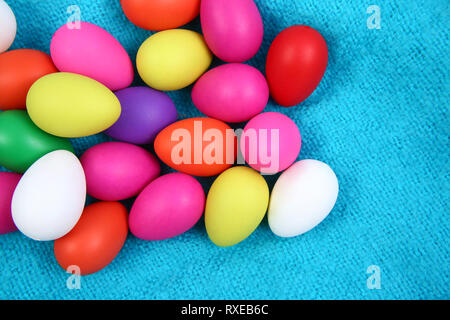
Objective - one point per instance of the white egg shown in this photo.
(50, 197)
(8, 26)
(302, 197)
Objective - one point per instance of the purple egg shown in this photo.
(145, 112)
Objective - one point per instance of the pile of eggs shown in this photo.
(83, 88)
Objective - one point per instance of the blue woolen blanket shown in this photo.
(379, 118)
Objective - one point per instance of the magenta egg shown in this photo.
(116, 170)
(233, 92)
(270, 142)
(169, 206)
(8, 183)
(233, 29)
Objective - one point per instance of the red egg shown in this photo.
(295, 64)
(96, 239)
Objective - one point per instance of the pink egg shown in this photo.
(233, 29)
(93, 52)
(8, 183)
(118, 170)
(270, 142)
(232, 92)
(169, 206)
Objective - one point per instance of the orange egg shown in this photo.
(95, 240)
(19, 69)
(197, 146)
(157, 15)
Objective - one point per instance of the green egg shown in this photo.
(22, 142)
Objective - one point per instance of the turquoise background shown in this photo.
(379, 118)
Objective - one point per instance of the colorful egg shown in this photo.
(71, 105)
(19, 69)
(50, 196)
(232, 92)
(93, 52)
(173, 59)
(8, 183)
(117, 170)
(169, 206)
(270, 142)
(8, 26)
(96, 239)
(302, 197)
(295, 64)
(157, 15)
(235, 206)
(197, 146)
(22, 143)
(145, 112)
(233, 29)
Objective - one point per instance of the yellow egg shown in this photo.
(70, 105)
(235, 206)
(173, 59)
